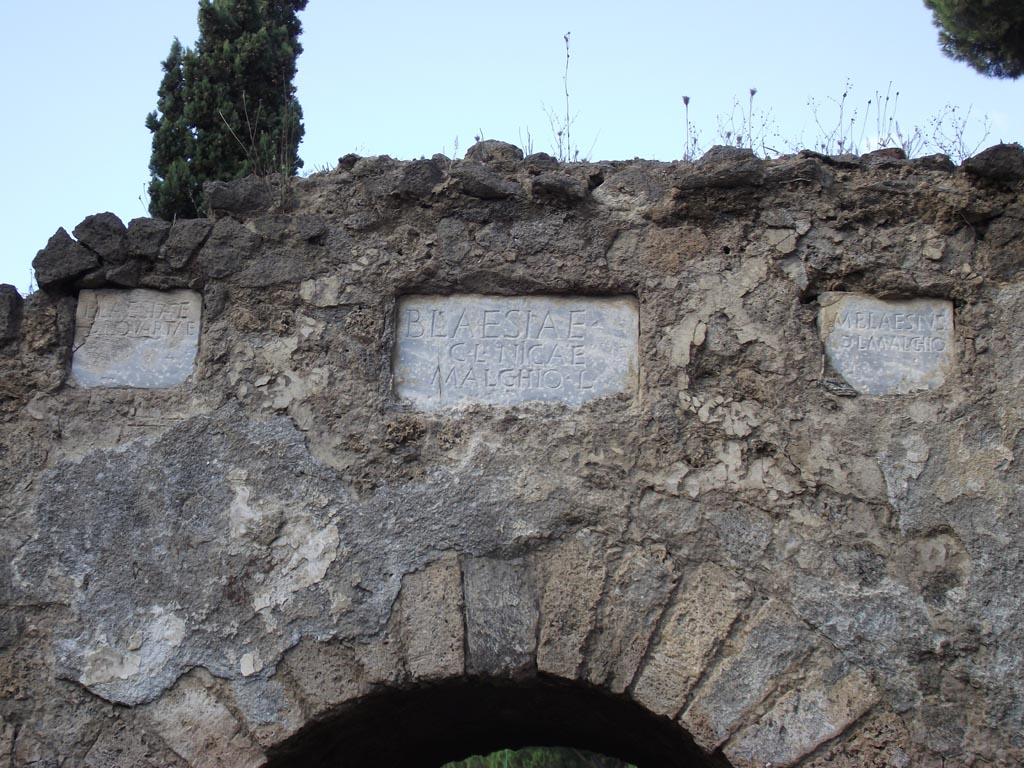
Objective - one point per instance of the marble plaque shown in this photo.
(503, 350)
(887, 347)
(135, 338)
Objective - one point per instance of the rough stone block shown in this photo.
(494, 151)
(418, 179)
(184, 241)
(326, 291)
(558, 186)
(880, 739)
(802, 720)
(30, 748)
(430, 622)
(127, 274)
(501, 617)
(634, 599)
(230, 246)
(695, 625)
(105, 234)
(477, 180)
(146, 236)
(139, 338)
(773, 643)
(269, 709)
(252, 193)
(10, 312)
(201, 729)
(458, 350)
(122, 746)
(574, 578)
(326, 674)
(1002, 162)
(887, 347)
(723, 167)
(62, 260)
(1003, 246)
(7, 736)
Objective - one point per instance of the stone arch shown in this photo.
(429, 725)
(608, 648)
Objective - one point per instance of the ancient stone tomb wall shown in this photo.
(705, 464)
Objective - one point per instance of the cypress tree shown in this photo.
(171, 185)
(227, 108)
(986, 34)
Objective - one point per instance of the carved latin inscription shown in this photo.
(136, 338)
(456, 350)
(887, 347)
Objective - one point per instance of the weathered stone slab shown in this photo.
(503, 350)
(824, 704)
(775, 641)
(695, 625)
(138, 338)
(432, 629)
(887, 347)
(574, 579)
(501, 617)
(10, 312)
(200, 728)
(634, 599)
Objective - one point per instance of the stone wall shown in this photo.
(787, 531)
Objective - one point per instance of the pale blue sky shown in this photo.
(408, 78)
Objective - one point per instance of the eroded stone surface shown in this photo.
(887, 347)
(568, 604)
(201, 729)
(430, 612)
(10, 312)
(634, 597)
(774, 642)
(140, 338)
(696, 623)
(501, 617)
(818, 709)
(731, 540)
(457, 350)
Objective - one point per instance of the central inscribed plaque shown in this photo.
(504, 350)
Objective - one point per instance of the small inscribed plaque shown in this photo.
(137, 338)
(504, 350)
(887, 347)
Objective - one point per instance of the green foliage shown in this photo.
(171, 183)
(227, 108)
(987, 34)
(540, 757)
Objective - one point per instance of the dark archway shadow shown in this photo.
(429, 725)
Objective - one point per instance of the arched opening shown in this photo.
(430, 725)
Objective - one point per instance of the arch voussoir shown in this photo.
(501, 616)
(195, 723)
(422, 641)
(821, 707)
(776, 693)
(573, 575)
(705, 607)
(639, 583)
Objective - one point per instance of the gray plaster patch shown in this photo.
(887, 347)
(138, 338)
(503, 350)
